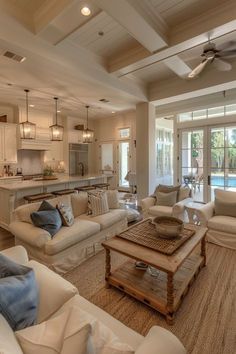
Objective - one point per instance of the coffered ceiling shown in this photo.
(126, 51)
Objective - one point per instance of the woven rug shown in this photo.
(206, 320)
(145, 234)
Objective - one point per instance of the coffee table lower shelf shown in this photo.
(153, 291)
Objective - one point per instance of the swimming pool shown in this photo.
(220, 181)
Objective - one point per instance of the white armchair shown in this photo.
(221, 228)
(150, 209)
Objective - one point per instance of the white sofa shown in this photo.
(71, 245)
(151, 209)
(221, 228)
(56, 294)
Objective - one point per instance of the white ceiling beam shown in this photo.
(130, 16)
(215, 22)
(210, 81)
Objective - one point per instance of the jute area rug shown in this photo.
(206, 320)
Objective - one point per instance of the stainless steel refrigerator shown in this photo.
(78, 159)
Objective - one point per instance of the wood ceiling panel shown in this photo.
(30, 6)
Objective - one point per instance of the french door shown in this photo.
(207, 160)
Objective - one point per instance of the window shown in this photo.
(124, 133)
(211, 112)
(216, 112)
(184, 117)
(230, 109)
(106, 157)
(201, 114)
(164, 152)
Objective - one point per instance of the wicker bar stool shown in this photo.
(38, 197)
(64, 192)
(84, 188)
(101, 185)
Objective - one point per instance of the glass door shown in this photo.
(222, 158)
(124, 163)
(193, 161)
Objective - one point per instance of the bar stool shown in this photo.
(64, 192)
(84, 188)
(38, 197)
(101, 185)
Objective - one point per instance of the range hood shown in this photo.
(42, 141)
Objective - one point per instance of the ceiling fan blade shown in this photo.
(231, 45)
(222, 65)
(196, 71)
(227, 53)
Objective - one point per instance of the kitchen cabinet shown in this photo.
(8, 149)
(55, 153)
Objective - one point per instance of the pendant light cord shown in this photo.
(87, 115)
(56, 98)
(27, 104)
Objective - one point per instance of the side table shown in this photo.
(192, 211)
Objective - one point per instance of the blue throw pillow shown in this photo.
(19, 295)
(47, 217)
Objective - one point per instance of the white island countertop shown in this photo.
(40, 183)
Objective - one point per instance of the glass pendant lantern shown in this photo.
(27, 129)
(88, 134)
(56, 129)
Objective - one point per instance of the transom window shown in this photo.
(124, 133)
(213, 112)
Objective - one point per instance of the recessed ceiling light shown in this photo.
(31, 105)
(113, 112)
(58, 111)
(85, 11)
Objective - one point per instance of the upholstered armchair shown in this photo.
(219, 217)
(150, 208)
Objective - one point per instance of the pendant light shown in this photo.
(56, 129)
(27, 129)
(88, 134)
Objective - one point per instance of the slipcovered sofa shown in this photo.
(56, 295)
(70, 246)
(151, 209)
(221, 227)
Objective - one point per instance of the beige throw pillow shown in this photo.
(113, 199)
(184, 192)
(66, 214)
(97, 203)
(226, 208)
(166, 199)
(63, 334)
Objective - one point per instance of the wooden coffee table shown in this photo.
(177, 272)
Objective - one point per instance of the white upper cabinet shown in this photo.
(8, 149)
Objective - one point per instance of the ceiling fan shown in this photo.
(211, 55)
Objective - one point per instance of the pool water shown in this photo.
(229, 181)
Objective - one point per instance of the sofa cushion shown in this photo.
(79, 203)
(8, 342)
(47, 217)
(18, 294)
(97, 203)
(63, 334)
(108, 219)
(223, 223)
(225, 195)
(68, 236)
(184, 192)
(66, 214)
(159, 210)
(113, 199)
(166, 199)
(54, 291)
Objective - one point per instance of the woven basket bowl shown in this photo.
(167, 226)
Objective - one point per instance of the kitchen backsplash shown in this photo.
(31, 161)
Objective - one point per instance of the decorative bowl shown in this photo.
(167, 226)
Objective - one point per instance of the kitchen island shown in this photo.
(12, 194)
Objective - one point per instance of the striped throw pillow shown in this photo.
(97, 203)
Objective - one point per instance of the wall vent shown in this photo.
(104, 100)
(14, 56)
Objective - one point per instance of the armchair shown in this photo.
(221, 227)
(150, 209)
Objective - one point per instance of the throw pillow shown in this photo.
(166, 199)
(18, 294)
(47, 217)
(63, 334)
(113, 199)
(97, 203)
(166, 189)
(184, 192)
(226, 208)
(66, 213)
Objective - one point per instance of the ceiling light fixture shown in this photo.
(85, 11)
(56, 129)
(113, 112)
(88, 134)
(31, 105)
(27, 129)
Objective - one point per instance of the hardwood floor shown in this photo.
(6, 239)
